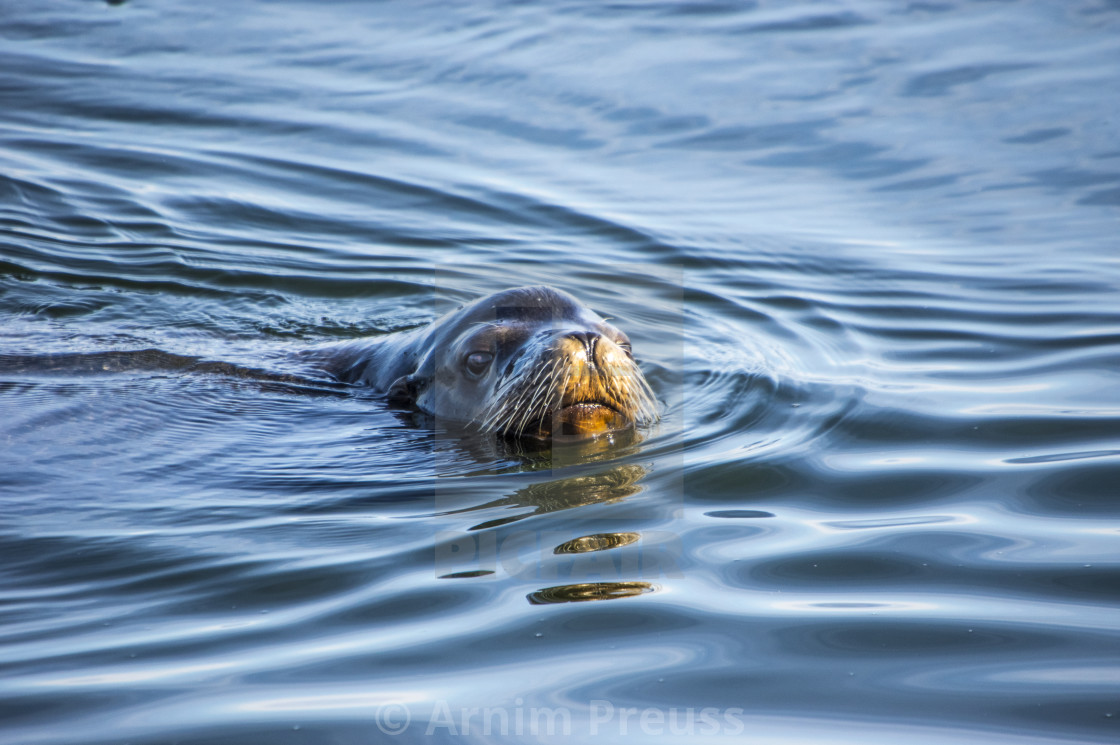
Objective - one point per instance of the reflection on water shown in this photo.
(597, 542)
(613, 484)
(496, 546)
(487, 453)
(590, 591)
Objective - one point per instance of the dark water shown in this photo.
(867, 253)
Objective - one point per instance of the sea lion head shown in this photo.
(530, 362)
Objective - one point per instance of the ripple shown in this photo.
(738, 514)
(893, 522)
(471, 574)
(1061, 457)
(868, 264)
(942, 82)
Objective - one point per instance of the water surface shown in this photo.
(867, 255)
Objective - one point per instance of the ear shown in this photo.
(403, 390)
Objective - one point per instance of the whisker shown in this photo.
(539, 383)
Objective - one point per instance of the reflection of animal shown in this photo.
(532, 361)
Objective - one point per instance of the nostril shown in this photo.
(588, 339)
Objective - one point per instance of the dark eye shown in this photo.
(477, 362)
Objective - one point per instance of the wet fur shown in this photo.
(550, 355)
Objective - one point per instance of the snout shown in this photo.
(571, 383)
(589, 402)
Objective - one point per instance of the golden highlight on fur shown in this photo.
(563, 388)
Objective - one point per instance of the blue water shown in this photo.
(866, 252)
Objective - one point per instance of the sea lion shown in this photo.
(527, 362)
